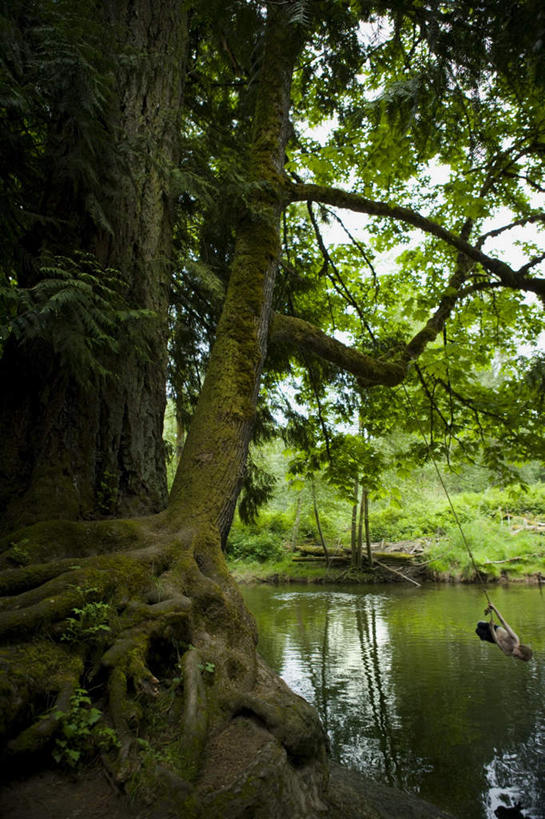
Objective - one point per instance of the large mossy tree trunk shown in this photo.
(79, 445)
(145, 612)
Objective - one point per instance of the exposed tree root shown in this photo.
(34, 676)
(167, 649)
(39, 733)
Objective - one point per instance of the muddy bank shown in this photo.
(90, 795)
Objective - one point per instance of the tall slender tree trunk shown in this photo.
(354, 527)
(73, 449)
(319, 525)
(364, 527)
(295, 530)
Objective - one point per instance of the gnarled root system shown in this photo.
(122, 639)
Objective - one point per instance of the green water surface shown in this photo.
(410, 695)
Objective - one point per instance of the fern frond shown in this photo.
(299, 14)
(80, 309)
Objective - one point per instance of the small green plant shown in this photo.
(19, 555)
(204, 666)
(89, 622)
(80, 732)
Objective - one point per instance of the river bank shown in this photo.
(394, 565)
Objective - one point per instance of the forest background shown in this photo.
(503, 522)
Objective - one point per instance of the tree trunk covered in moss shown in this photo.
(88, 446)
(209, 478)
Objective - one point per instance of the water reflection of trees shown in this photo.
(339, 657)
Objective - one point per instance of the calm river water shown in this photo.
(410, 695)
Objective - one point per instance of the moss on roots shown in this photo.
(171, 666)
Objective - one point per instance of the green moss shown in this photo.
(54, 539)
(30, 672)
(14, 581)
(110, 577)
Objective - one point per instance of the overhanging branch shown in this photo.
(299, 333)
(437, 321)
(516, 280)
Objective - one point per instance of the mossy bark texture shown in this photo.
(76, 447)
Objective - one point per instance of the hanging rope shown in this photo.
(442, 482)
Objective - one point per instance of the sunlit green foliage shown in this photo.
(412, 506)
(495, 549)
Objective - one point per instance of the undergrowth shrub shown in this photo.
(260, 541)
(336, 531)
(81, 731)
(481, 514)
(430, 516)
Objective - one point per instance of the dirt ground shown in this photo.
(50, 795)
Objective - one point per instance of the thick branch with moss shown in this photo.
(301, 334)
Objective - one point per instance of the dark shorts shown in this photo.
(483, 630)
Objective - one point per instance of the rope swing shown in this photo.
(442, 482)
(504, 637)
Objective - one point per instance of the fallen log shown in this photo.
(395, 571)
(345, 557)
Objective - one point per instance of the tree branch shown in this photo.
(355, 202)
(357, 245)
(299, 333)
(337, 280)
(436, 323)
(528, 220)
(532, 263)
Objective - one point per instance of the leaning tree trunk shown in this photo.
(76, 447)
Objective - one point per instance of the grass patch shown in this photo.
(495, 548)
(284, 570)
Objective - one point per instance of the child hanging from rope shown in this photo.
(504, 637)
